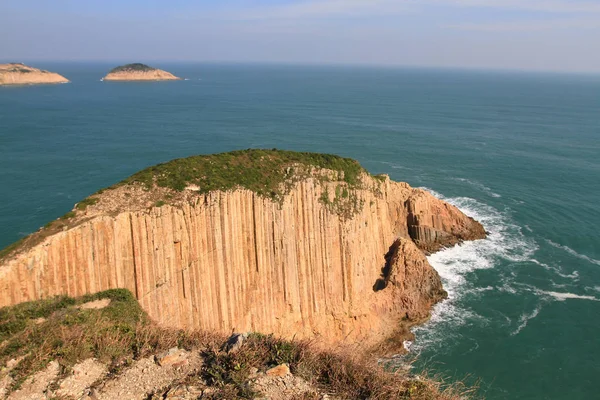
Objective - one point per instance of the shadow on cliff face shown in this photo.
(386, 271)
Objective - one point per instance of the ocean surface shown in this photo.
(520, 152)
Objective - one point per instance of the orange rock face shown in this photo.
(21, 74)
(235, 261)
(154, 75)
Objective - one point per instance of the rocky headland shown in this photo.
(300, 245)
(138, 72)
(21, 74)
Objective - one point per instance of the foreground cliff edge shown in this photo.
(138, 72)
(104, 347)
(296, 244)
(21, 74)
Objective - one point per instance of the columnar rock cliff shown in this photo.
(138, 72)
(327, 258)
(21, 74)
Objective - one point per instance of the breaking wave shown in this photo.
(505, 242)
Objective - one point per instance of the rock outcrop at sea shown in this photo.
(138, 72)
(327, 259)
(21, 74)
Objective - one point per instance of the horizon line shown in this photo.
(314, 64)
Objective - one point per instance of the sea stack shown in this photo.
(21, 74)
(296, 244)
(138, 72)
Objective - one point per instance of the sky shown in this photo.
(546, 35)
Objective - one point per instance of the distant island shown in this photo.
(138, 72)
(21, 74)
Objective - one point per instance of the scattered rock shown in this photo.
(145, 378)
(173, 357)
(35, 387)
(235, 342)
(95, 305)
(279, 371)
(5, 383)
(40, 320)
(283, 387)
(12, 363)
(84, 375)
(252, 372)
(183, 392)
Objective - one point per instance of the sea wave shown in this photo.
(505, 242)
(565, 296)
(525, 318)
(573, 252)
(479, 186)
(557, 270)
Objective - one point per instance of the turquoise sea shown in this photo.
(518, 151)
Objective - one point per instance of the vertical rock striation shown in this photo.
(238, 261)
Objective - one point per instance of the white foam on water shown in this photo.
(505, 242)
(573, 252)
(557, 270)
(507, 288)
(482, 289)
(479, 186)
(565, 296)
(525, 318)
(394, 166)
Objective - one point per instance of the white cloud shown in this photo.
(324, 8)
(529, 26)
(356, 8)
(547, 6)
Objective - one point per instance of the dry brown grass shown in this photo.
(343, 373)
(122, 333)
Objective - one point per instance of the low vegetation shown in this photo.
(262, 171)
(58, 329)
(21, 70)
(135, 67)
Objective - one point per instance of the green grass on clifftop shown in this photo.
(137, 67)
(268, 173)
(262, 171)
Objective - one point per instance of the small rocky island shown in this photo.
(138, 72)
(21, 74)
